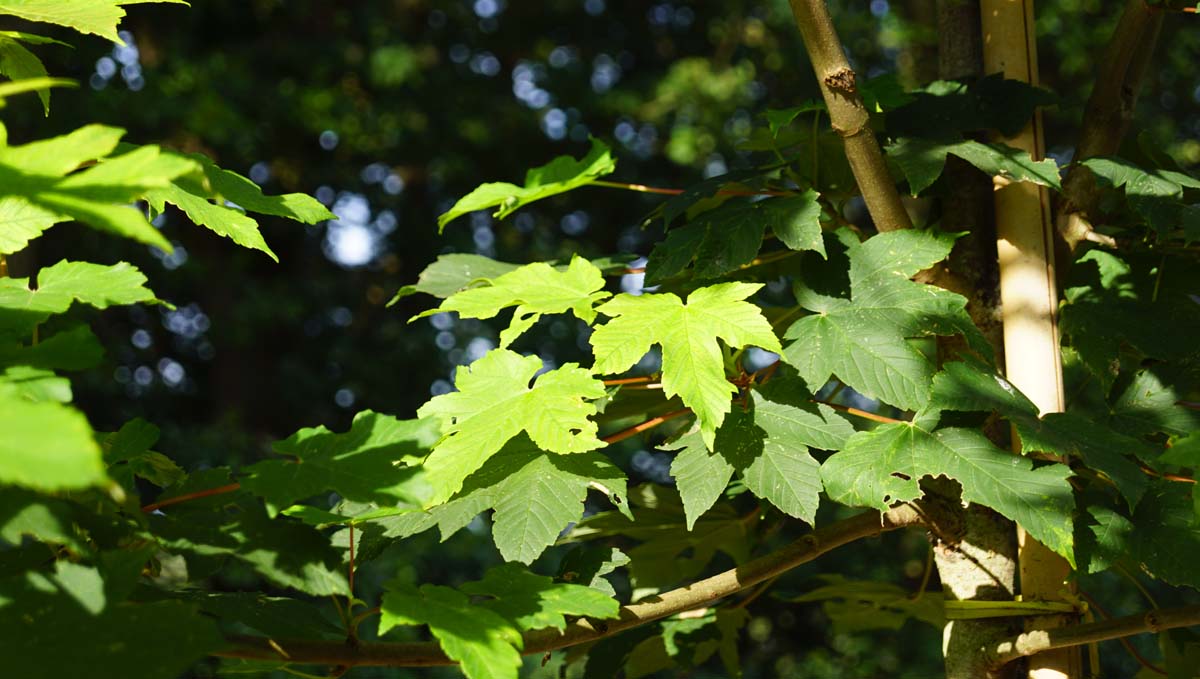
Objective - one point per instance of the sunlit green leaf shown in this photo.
(693, 365)
(562, 174)
(495, 401)
(534, 289)
(47, 446)
(370, 463)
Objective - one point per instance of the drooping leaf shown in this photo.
(864, 341)
(75, 348)
(535, 495)
(97, 17)
(127, 454)
(560, 175)
(39, 193)
(495, 402)
(373, 462)
(17, 63)
(922, 161)
(880, 467)
(1162, 537)
(454, 272)
(41, 517)
(534, 601)
(534, 289)
(485, 644)
(730, 236)
(1122, 300)
(220, 199)
(47, 446)
(693, 365)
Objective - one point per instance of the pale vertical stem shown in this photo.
(848, 115)
(1029, 300)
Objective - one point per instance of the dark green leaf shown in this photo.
(880, 467)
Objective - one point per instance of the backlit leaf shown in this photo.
(534, 289)
(495, 401)
(693, 365)
(560, 175)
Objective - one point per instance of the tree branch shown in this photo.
(820, 541)
(1108, 114)
(1036, 641)
(848, 115)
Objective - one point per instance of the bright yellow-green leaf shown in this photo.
(47, 446)
(98, 17)
(495, 402)
(535, 289)
(558, 176)
(693, 365)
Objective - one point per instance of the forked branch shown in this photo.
(820, 541)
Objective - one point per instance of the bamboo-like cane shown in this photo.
(1029, 301)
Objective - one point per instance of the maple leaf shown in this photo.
(885, 465)
(865, 340)
(534, 289)
(769, 448)
(495, 402)
(534, 495)
(693, 365)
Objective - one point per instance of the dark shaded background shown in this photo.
(390, 110)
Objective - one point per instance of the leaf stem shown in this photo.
(648, 424)
(866, 415)
(208, 492)
(642, 188)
